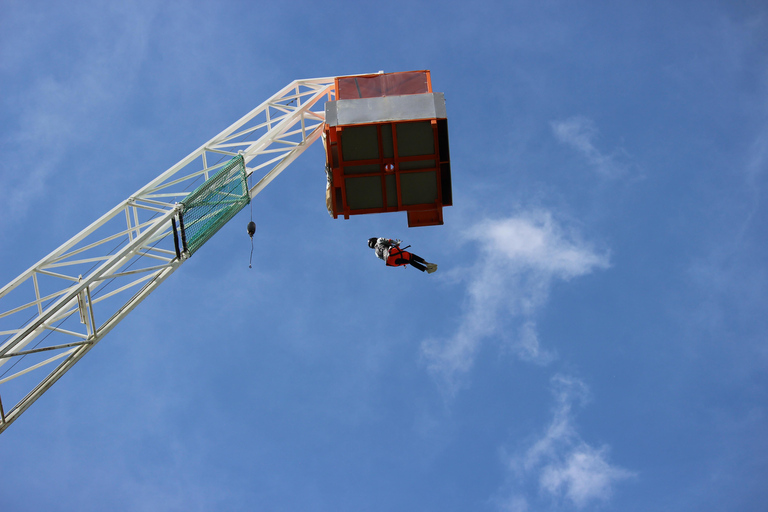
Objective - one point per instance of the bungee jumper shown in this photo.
(389, 250)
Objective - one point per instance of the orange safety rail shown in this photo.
(385, 84)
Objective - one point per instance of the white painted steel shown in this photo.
(49, 316)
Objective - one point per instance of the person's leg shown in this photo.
(417, 265)
(422, 264)
(416, 262)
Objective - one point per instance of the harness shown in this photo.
(396, 255)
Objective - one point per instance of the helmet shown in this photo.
(372, 242)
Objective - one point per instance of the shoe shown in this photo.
(431, 267)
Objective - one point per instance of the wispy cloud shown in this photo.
(580, 133)
(558, 465)
(56, 111)
(519, 259)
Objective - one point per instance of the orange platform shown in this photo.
(386, 142)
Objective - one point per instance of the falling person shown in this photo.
(389, 250)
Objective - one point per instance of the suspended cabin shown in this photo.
(386, 142)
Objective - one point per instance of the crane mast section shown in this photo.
(56, 311)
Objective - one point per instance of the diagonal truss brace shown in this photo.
(55, 312)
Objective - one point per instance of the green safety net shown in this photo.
(214, 203)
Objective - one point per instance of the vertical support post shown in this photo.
(183, 234)
(175, 238)
(90, 310)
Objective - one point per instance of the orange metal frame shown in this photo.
(375, 86)
(387, 167)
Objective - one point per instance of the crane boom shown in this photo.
(56, 311)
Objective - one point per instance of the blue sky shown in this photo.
(595, 338)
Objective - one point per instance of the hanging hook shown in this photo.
(251, 231)
(251, 226)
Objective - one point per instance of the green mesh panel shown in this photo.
(214, 203)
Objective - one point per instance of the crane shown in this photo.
(60, 308)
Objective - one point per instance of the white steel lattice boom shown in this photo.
(55, 312)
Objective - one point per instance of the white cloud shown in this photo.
(580, 134)
(55, 111)
(528, 347)
(563, 467)
(566, 390)
(582, 477)
(519, 258)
